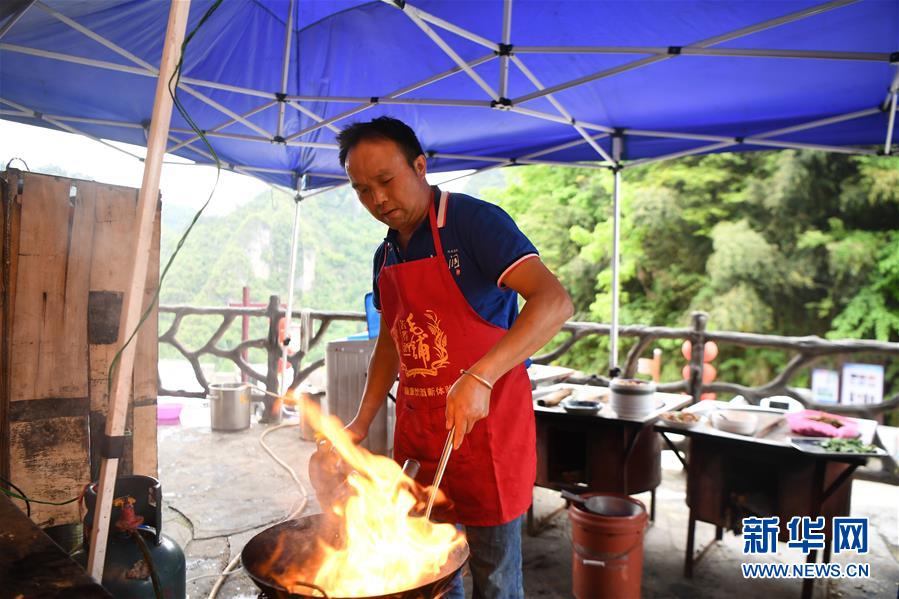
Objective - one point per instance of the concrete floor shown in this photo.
(220, 489)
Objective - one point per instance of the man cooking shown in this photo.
(447, 280)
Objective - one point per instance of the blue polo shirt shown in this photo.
(481, 244)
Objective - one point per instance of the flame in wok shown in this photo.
(383, 549)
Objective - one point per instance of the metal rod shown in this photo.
(562, 111)
(756, 141)
(221, 126)
(134, 295)
(95, 36)
(112, 66)
(403, 90)
(504, 160)
(565, 146)
(743, 31)
(288, 31)
(90, 62)
(450, 52)
(312, 115)
(425, 16)
(892, 121)
(504, 60)
(698, 51)
(441, 468)
(15, 18)
(225, 110)
(328, 121)
(894, 85)
(254, 138)
(294, 243)
(470, 157)
(691, 152)
(616, 234)
(64, 126)
(819, 123)
(559, 119)
(147, 66)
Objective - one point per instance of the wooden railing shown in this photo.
(317, 324)
(806, 352)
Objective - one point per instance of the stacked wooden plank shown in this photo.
(66, 250)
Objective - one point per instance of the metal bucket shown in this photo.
(229, 406)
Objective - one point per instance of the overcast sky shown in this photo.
(181, 184)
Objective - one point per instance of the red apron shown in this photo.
(490, 478)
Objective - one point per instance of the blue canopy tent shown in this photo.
(599, 84)
(485, 83)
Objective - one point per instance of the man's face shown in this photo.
(393, 192)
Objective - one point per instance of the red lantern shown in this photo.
(709, 350)
(709, 372)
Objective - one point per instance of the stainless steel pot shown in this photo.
(229, 406)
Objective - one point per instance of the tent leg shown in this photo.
(134, 295)
(616, 259)
(291, 286)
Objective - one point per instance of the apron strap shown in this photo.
(435, 230)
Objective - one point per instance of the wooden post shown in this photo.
(700, 319)
(273, 348)
(133, 300)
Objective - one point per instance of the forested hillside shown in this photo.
(791, 243)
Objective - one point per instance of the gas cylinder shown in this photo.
(136, 520)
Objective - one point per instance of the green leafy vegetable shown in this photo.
(848, 446)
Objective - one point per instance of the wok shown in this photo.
(293, 545)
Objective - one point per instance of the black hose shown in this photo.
(154, 576)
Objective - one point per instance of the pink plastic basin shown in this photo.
(168, 412)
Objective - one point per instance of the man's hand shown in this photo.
(357, 430)
(467, 402)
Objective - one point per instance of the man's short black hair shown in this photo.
(383, 127)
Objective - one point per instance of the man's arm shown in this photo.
(547, 307)
(382, 370)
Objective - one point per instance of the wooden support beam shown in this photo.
(133, 300)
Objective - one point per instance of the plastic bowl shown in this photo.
(732, 421)
(168, 412)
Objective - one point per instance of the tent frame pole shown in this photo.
(410, 12)
(558, 106)
(133, 300)
(68, 128)
(224, 125)
(417, 13)
(616, 255)
(718, 39)
(699, 51)
(890, 123)
(285, 66)
(403, 90)
(504, 58)
(15, 18)
(146, 65)
(291, 282)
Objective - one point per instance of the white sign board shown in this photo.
(862, 384)
(825, 386)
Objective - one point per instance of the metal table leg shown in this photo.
(688, 558)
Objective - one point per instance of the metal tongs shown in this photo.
(441, 468)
